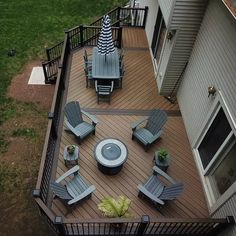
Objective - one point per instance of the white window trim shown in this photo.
(219, 102)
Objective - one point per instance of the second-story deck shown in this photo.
(138, 96)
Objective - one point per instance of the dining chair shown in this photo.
(104, 91)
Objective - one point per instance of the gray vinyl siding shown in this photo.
(185, 20)
(228, 210)
(212, 62)
(166, 8)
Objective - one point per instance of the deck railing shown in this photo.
(88, 36)
(46, 164)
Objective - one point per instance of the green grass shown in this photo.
(8, 178)
(25, 132)
(29, 25)
(3, 143)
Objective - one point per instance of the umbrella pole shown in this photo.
(105, 57)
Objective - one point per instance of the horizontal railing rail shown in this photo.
(88, 36)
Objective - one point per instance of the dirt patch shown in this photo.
(20, 90)
(19, 165)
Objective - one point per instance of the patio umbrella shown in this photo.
(105, 44)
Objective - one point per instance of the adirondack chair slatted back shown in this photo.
(77, 185)
(156, 121)
(172, 192)
(154, 185)
(60, 191)
(73, 113)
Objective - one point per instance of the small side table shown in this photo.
(163, 165)
(71, 159)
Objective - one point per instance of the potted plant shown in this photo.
(71, 149)
(114, 208)
(162, 159)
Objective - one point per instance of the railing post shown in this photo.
(62, 82)
(59, 225)
(144, 223)
(221, 227)
(36, 193)
(46, 80)
(54, 132)
(81, 29)
(118, 17)
(145, 16)
(48, 55)
(119, 39)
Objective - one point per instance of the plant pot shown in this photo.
(163, 165)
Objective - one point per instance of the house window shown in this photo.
(214, 138)
(158, 36)
(217, 153)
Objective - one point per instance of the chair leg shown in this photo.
(132, 137)
(86, 83)
(147, 147)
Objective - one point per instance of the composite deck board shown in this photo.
(138, 96)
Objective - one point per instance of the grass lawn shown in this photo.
(28, 26)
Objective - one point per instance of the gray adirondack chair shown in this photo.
(155, 190)
(152, 130)
(75, 189)
(75, 123)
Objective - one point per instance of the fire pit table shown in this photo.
(110, 154)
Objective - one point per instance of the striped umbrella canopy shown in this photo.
(105, 43)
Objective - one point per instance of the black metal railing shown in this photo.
(81, 36)
(45, 171)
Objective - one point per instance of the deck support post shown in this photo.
(143, 225)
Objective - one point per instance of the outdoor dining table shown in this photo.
(105, 67)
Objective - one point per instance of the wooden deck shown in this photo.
(138, 96)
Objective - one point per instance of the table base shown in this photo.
(109, 170)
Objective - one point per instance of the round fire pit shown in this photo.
(110, 155)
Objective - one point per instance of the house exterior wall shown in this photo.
(212, 62)
(151, 19)
(166, 8)
(185, 19)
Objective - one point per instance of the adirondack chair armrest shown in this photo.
(68, 125)
(156, 136)
(91, 117)
(82, 195)
(136, 123)
(157, 170)
(150, 195)
(68, 173)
